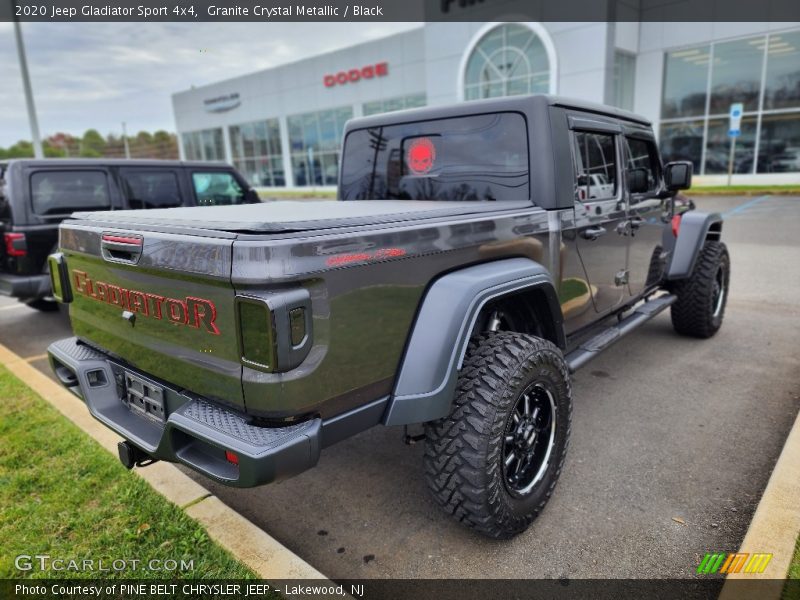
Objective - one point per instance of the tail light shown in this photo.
(256, 337)
(16, 245)
(275, 330)
(59, 278)
(676, 225)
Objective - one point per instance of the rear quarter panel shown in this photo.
(366, 288)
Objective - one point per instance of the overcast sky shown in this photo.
(100, 74)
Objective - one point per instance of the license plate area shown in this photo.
(144, 398)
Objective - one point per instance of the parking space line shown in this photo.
(12, 307)
(775, 526)
(31, 359)
(743, 207)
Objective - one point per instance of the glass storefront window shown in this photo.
(782, 89)
(314, 139)
(761, 72)
(685, 82)
(736, 74)
(718, 147)
(509, 60)
(682, 141)
(206, 144)
(779, 148)
(256, 150)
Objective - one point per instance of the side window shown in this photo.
(642, 155)
(595, 166)
(217, 188)
(62, 192)
(151, 189)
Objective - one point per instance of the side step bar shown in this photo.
(594, 346)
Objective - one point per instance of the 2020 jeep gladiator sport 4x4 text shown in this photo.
(460, 278)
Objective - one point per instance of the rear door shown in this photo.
(600, 213)
(151, 187)
(645, 213)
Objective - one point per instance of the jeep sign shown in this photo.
(353, 75)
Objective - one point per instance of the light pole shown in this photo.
(125, 140)
(26, 84)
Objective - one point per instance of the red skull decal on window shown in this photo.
(420, 156)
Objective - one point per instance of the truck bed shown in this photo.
(296, 216)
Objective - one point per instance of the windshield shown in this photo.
(478, 157)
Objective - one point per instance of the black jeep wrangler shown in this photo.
(36, 195)
(478, 254)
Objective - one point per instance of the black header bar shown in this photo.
(264, 11)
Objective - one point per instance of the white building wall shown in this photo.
(298, 87)
(579, 61)
(429, 60)
(582, 54)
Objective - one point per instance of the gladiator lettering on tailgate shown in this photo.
(194, 312)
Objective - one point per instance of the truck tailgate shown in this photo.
(162, 303)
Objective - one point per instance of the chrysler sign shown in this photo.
(380, 69)
(222, 103)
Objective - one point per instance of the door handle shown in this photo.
(636, 222)
(592, 233)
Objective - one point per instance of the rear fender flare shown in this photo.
(695, 228)
(427, 375)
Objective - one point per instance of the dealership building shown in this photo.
(282, 126)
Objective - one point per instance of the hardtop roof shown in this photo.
(508, 103)
(119, 162)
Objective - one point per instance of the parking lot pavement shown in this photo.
(673, 442)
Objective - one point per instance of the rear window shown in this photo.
(151, 189)
(62, 192)
(479, 157)
(217, 189)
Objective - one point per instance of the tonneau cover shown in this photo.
(297, 215)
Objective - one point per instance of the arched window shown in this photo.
(509, 59)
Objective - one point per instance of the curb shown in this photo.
(775, 525)
(249, 544)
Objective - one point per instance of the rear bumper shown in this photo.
(24, 286)
(196, 432)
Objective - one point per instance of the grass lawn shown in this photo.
(743, 190)
(794, 568)
(65, 496)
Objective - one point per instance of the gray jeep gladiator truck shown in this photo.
(476, 256)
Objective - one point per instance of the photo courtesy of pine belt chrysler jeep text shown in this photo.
(476, 256)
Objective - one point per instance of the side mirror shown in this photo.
(637, 180)
(678, 175)
(252, 197)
